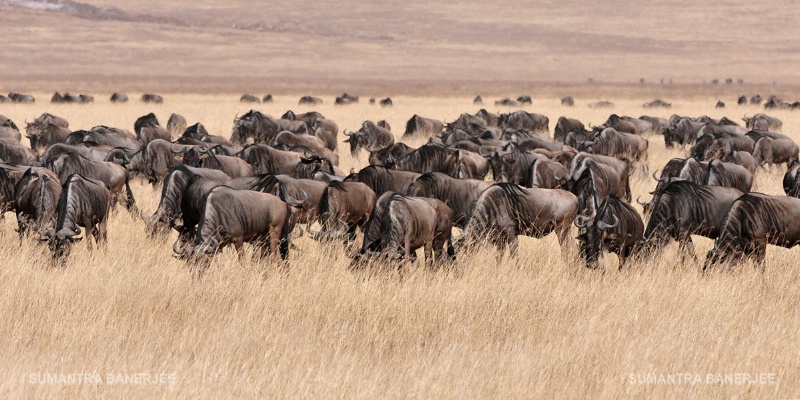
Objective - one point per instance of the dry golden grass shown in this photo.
(536, 326)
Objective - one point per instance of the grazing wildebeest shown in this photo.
(83, 203)
(524, 100)
(152, 98)
(505, 210)
(119, 98)
(399, 225)
(418, 125)
(36, 200)
(507, 102)
(755, 99)
(742, 100)
(683, 209)
(610, 142)
(614, 227)
(773, 148)
(720, 104)
(249, 98)
(202, 157)
(46, 130)
(386, 102)
(389, 154)
(267, 160)
(114, 176)
(314, 144)
(370, 136)
(345, 206)
(763, 122)
(262, 128)
(511, 163)
(107, 136)
(309, 100)
(21, 98)
(458, 194)
(753, 221)
(567, 101)
(267, 99)
(234, 217)
(729, 175)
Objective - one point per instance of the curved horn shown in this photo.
(640, 202)
(603, 226)
(581, 221)
(172, 148)
(178, 249)
(654, 175)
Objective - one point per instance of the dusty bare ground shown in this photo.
(426, 48)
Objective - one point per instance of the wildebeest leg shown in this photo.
(430, 261)
(687, 246)
(238, 244)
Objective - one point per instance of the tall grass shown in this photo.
(538, 325)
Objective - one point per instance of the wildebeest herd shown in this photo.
(272, 174)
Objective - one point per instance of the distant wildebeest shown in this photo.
(614, 227)
(601, 104)
(524, 100)
(400, 224)
(753, 221)
(83, 203)
(657, 103)
(267, 99)
(504, 210)
(720, 104)
(119, 98)
(567, 101)
(249, 98)
(346, 98)
(21, 98)
(742, 100)
(477, 100)
(152, 98)
(309, 100)
(763, 122)
(386, 102)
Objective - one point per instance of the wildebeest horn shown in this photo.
(654, 175)
(177, 249)
(581, 221)
(68, 233)
(183, 150)
(641, 203)
(603, 226)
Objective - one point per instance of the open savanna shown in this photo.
(538, 325)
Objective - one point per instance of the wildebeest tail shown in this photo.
(286, 233)
(131, 203)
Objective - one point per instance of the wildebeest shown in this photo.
(370, 136)
(344, 207)
(763, 122)
(381, 179)
(399, 225)
(267, 160)
(729, 175)
(545, 174)
(249, 98)
(10, 133)
(720, 104)
(505, 210)
(458, 194)
(267, 99)
(309, 100)
(201, 157)
(753, 221)
(601, 104)
(114, 176)
(614, 227)
(657, 103)
(524, 120)
(176, 124)
(262, 128)
(21, 98)
(430, 157)
(36, 200)
(524, 100)
(755, 99)
(346, 98)
(596, 181)
(773, 148)
(477, 100)
(389, 154)
(742, 100)
(152, 98)
(418, 125)
(566, 125)
(83, 203)
(234, 217)
(610, 142)
(683, 209)
(147, 129)
(567, 101)
(622, 124)
(8, 123)
(507, 102)
(46, 130)
(13, 152)
(386, 102)
(106, 136)
(119, 98)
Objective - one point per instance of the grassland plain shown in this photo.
(535, 326)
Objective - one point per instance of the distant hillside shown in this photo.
(210, 46)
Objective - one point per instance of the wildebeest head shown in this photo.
(60, 242)
(144, 121)
(356, 140)
(592, 230)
